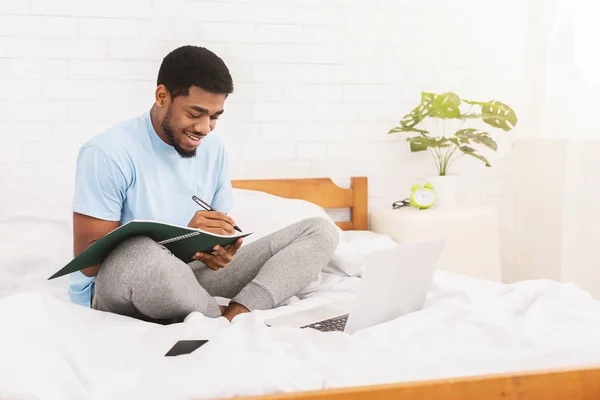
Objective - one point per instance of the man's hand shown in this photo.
(213, 221)
(220, 256)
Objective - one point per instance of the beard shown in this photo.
(166, 127)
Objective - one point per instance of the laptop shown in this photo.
(395, 283)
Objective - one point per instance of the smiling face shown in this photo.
(186, 120)
(191, 88)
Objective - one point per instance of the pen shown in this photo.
(207, 207)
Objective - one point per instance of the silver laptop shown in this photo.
(395, 283)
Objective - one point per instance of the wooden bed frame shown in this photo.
(321, 191)
(568, 384)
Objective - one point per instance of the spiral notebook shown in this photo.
(182, 242)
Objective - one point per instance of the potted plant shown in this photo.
(448, 146)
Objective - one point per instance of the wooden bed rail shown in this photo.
(321, 191)
(573, 384)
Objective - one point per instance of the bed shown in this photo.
(473, 339)
(571, 383)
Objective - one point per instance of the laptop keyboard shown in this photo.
(330, 325)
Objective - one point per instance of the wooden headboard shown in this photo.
(320, 191)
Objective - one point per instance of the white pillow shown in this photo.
(351, 256)
(263, 213)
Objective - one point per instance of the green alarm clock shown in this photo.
(422, 196)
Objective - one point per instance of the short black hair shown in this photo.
(188, 66)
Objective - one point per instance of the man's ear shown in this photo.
(161, 96)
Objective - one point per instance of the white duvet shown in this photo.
(51, 349)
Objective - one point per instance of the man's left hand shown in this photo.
(220, 256)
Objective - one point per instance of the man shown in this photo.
(148, 168)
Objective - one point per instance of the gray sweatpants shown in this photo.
(142, 279)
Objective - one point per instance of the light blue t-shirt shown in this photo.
(128, 172)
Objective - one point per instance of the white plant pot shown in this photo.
(446, 188)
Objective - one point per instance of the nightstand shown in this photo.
(472, 235)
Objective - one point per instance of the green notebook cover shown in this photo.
(183, 242)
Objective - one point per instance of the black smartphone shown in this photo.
(184, 347)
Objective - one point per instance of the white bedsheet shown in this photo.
(51, 349)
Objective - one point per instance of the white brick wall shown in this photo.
(318, 84)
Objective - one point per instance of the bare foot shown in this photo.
(234, 309)
(222, 308)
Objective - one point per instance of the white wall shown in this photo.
(556, 209)
(318, 83)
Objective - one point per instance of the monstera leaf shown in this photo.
(445, 105)
(465, 136)
(421, 143)
(496, 114)
(407, 129)
(420, 112)
(469, 151)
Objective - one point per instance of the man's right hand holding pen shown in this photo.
(207, 207)
(213, 221)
